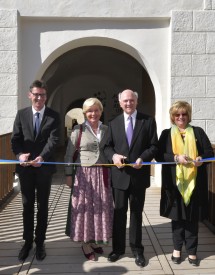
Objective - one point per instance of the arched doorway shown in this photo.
(97, 71)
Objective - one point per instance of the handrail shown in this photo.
(6, 171)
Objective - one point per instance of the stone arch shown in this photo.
(140, 76)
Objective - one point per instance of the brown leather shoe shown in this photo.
(98, 250)
(90, 256)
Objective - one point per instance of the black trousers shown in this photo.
(136, 198)
(35, 183)
(185, 232)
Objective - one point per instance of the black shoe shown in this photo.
(140, 259)
(24, 252)
(176, 260)
(113, 256)
(40, 252)
(194, 262)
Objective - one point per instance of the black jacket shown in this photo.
(143, 145)
(44, 145)
(171, 204)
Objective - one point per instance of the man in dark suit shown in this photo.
(34, 140)
(130, 182)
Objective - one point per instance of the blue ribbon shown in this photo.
(6, 161)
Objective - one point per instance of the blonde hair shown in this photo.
(178, 106)
(90, 102)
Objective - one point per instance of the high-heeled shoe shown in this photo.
(98, 249)
(176, 260)
(90, 256)
(194, 262)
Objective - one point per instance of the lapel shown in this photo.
(29, 122)
(102, 131)
(45, 117)
(121, 127)
(88, 132)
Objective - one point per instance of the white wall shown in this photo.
(179, 56)
(148, 38)
(101, 8)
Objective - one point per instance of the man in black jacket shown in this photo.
(34, 139)
(130, 182)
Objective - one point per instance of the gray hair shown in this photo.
(134, 92)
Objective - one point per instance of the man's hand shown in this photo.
(138, 163)
(118, 160)
(24, 158)
(36, 161)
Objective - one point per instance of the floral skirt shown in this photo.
(91, 206)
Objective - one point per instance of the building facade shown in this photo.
(165, 50)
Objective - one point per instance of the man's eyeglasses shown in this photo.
(183, 114)
(38, 95)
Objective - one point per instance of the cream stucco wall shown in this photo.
(173, 40)
(145, 40)
(101, 8)
(45, 29)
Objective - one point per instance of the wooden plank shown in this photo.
(66, 257)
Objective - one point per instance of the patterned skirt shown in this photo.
(91, 206)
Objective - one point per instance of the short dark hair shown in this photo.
(38, 84)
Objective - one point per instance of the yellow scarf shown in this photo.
(185, 174)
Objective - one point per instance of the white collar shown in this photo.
(40, 111)
(133, 115)
(88, 124)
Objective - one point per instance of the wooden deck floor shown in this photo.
(65, 257)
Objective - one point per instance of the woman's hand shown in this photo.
(69, 181)
(183, 159)
(197, 161)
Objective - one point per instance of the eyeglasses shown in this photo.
(39, 95)
(183, 114)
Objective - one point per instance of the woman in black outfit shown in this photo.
(184, 192)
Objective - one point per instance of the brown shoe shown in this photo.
(89, 255)
(97, 249)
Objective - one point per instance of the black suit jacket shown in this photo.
(143, 145)
(23, 140)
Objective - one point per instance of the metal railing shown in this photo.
(6, 171)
